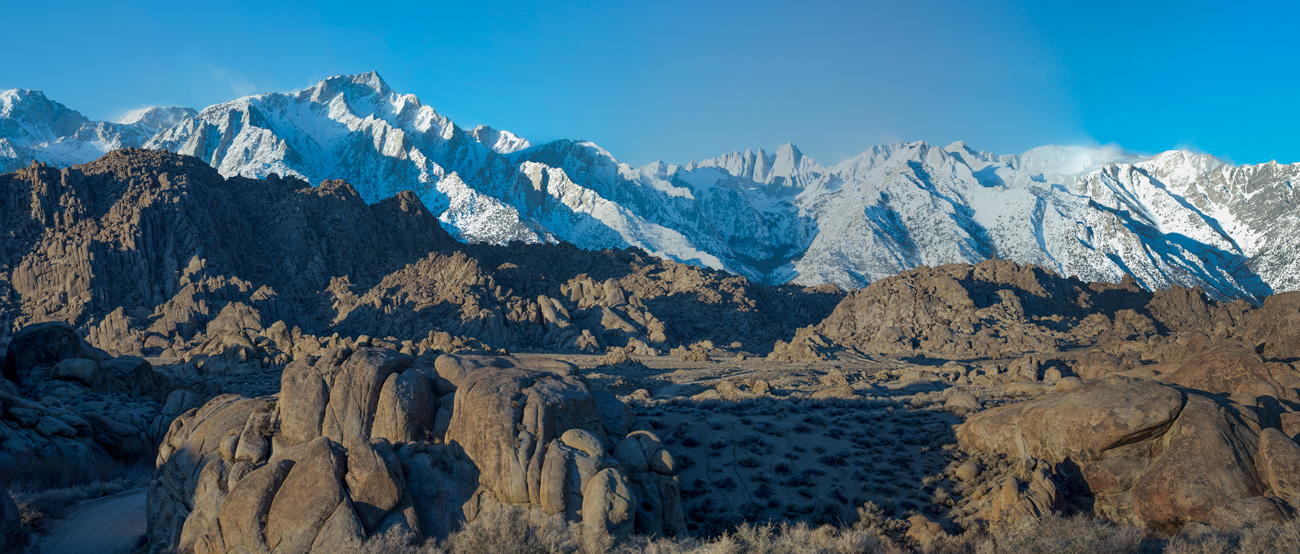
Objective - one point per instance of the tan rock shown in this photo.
(923, 531)
(968, 471)
(406, 409)
(244, 511)
(842, 391)
(354, 394)
(1222, 370)
(608, 505)
(1202, 469)
(1279, 465)
(504, 418)
(310, 494)
(40, 344)
(376, 488)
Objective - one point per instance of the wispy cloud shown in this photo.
(133, 114)
(1193, 148)
(239, 85)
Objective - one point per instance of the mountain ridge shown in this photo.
(1096, 213)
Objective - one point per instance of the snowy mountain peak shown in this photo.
(362, 85)
(11, 98)
(29, 113)
(501, 142)
(157, 118)
(1096, 212)
(777, 169)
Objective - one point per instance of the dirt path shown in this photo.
(108, 525)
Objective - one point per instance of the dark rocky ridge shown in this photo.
(153, 253)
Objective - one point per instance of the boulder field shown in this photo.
(361, 441)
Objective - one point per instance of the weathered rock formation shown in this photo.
(358, 442)
(1145, 452)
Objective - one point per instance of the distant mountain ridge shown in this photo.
(1096, 213)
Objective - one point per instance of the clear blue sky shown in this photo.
(689, 80)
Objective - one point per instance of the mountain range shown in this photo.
(1098, 213)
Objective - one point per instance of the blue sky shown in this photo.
(689, 80)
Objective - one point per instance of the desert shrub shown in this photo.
(798, 539)
(511, 530)
(399, 540)
(38, 509)
(1248, 537)
(33, 475)
(832, 460)
(1065, 535)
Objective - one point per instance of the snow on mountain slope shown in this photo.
(501, 142)
(1079, 212)
(35, 128)
(1097, 213)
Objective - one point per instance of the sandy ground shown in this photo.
(784, 455)
(105, 525)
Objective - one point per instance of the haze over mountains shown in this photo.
(1096, 213)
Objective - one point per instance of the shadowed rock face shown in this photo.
(311, 466)
(10, 521)
(152, 253)
(53, 408)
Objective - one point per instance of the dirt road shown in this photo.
(110, 525)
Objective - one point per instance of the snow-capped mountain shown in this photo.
(1098, 213)
(35, 128)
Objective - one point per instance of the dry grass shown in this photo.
(399, 540)
(1062, 535)
(511, 530)
(32, 475)
(514, 532)
(1249, 538)
(799, 538)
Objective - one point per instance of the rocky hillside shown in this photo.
(1096, 213)
(1001, 309)
(153, 253)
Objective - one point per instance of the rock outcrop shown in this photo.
(64, 401)
(1001, 309)
(1275, 327)
(1148, 453)
(354, 445)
